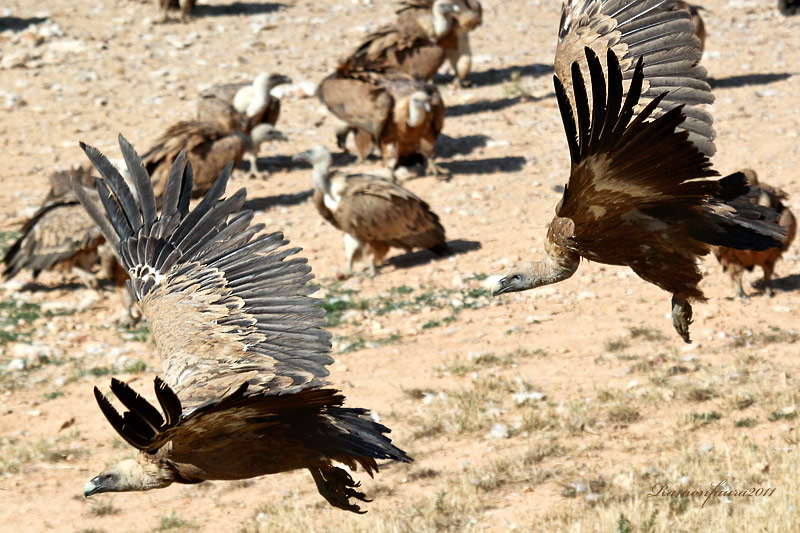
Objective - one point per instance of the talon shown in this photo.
(682, 318)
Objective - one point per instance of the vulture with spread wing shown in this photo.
(399, 114)
(209, 148)
(735, 262)
(243, 351)
(374, 214)
(60, 234)
(638, 193)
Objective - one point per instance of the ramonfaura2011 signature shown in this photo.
(718, 490)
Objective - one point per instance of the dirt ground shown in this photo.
(551, 410)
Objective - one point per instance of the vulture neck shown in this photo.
(321, 174)
(416, 114)
(552, 270)
(441, 22)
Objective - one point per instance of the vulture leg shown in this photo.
(681, 317)
(252, 170)
(460, 60)
(768, 268)
(364, 143)
(186, 8)
(85, 276)
(739, 289)
(378, 252)
(390, 157)
(336, 486)
(164, 5)
(352, 250)
(435, 170)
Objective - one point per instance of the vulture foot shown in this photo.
(336, 486)
(462, 84)
(681, 317)
(435, 170)
(88, 279)
(740, 291)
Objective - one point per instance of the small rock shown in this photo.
(498, 431)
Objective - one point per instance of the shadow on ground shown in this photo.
(748, 79)
(496, 76)
(19, 24)
(485, 166)
(236, 8)
(261, 204)
(423, 257)
(447, 146)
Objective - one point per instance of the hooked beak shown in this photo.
(93, 486)
(427, 107)
(302, 156)
(502, 286)
(278, 136)
(280, 79)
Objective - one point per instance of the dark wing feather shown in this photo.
(225, 307)
(653, 30)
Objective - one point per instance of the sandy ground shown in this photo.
(79, 70)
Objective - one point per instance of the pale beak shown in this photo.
(501, 286)
(92, 487)
(302, 156)
(427, 107)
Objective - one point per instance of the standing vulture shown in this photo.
(209, 148)
(637, 193)
(410, 45)
(243, 352)
(250, 100)
(735, 262)
(401, 115)
(468, 14)
(60, 233)
(185, 6)
(374, 214)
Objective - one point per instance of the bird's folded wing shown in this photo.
(654, 31)
(225, 305)
(359, 101)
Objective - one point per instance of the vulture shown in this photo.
(699, 27)
(401, 115)
(639, 192)
(735, 262)
(411, 44)
(60, 234)
(209, 148)
(243, 352)
(466, 16)
(252, 101)
(374, 214)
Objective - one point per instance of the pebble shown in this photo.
(498, 431)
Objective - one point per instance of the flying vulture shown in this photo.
(638, 193)
(243, 352)
(401, 115)
(60, 234)
(735, 262)
(374, 214)
(412, 44)
(209, 149)
(466, 16)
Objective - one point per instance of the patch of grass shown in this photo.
(513, 88)
(135, 367)
(774, 416)
(102, 507)
(775, 335)
(174, 521)
(53, 395)
(704, 418)
(476, 361)
(140, 334)
(745, 423)
(349, 344)
(616, 345)
(647, 334)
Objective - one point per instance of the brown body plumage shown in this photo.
(249, 104)
(735, 262)
(60, 234)
(401, 115)
(373, 213)
(186, 7)
(209, 148)
(637, 194)
(243, 352)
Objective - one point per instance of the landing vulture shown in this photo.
(411, 44)
(209, 149)
(60, 234)
(637, 193)
(244, 355)
(467, 15)
(401, 115)
(735, 262)
(374, 214)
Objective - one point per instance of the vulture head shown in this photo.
(320, 159)
(265, 133)
(530, 275)
(252, 99)
(443, 10)
(419, 105)
(128, 476)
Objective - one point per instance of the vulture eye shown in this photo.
(516, 278)
(108, 478)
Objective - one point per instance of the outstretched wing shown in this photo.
(225, 305)
(636, 187)
(652, 30)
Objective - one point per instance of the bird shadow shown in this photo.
(423, 257)
(748, 79)
(447, 146)
(19, 24)
(488, 165)
(495, 76)
(487, 105)
(338, 159)
(262, 204)
(36, 286)
(236, 8)
(785, 284)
